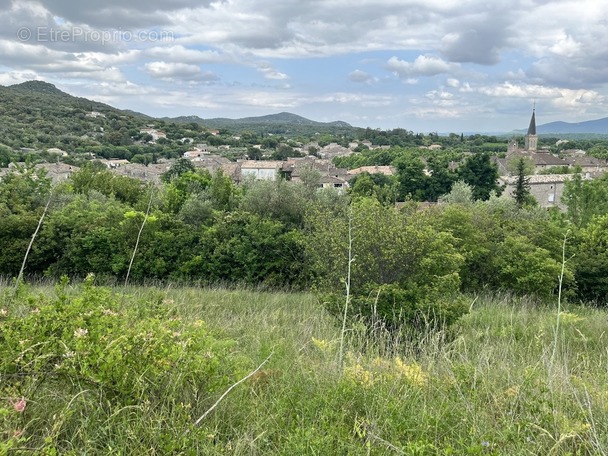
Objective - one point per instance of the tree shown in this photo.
(412, 180)
(591, 261)
(522, 186)
(411, 267)
(513, 165)
(383, 188)
(178, 168)
(585, 199)
(479, 172)
(461, 193)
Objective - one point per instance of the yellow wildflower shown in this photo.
(413, 373)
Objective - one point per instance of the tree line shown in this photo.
(203, 228)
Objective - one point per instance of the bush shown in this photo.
(396, 308)
(402, 266)
(92, 355)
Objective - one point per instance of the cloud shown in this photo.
(16, 77)
(269, 72)
(184, 72)
(361, 77)
(180, 53)
(118, 13)
(489, 56)
(423, 65)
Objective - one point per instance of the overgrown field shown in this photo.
(88, 370)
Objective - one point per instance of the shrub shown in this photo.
(93, 355)
(402, 266)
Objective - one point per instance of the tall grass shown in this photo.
(487, 386)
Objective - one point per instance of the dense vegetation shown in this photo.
(89, 370)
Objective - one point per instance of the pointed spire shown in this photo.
(532, 127)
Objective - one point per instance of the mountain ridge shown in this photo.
(281, 118)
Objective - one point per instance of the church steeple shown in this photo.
(531, 140)
(532, 127)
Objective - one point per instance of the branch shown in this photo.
(204, 415)
(29, 247)
(141, 228)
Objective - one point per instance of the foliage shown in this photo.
(479, 172)
(489, 390)
(461, 193)
(89, 355)
(412, 266)
(26, 189)
(585, 199)
(383, 188)
(522, 193)
(504, 247)
(591, 261)
(281, 200)
(123, 188)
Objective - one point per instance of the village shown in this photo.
(547, 172)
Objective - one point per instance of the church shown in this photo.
(540, 159)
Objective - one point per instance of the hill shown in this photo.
(598, 126)
(37, 115)
(284, 123)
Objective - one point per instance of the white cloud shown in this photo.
(423, 65)
(269, 72)
(179, 72)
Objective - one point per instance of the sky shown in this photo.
(423, 65)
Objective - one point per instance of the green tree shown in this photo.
(479, 172)
(585, 199)
(181, 166)
(413, 182)
(405, 258)
(522, 193)
(383, 188)
(591, 261)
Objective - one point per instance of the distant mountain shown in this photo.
(599, 126)
(281, 120)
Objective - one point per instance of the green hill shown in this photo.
(38, 115)
(284, 123)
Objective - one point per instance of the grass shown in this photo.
(488, 387)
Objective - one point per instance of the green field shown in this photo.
(501, 381)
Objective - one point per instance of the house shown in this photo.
(386, 170)
(148, 173)
(334, 183)
(56, 151)
(211, 163)
(194, 154)
(293, 168)
(334, 150)
(115, 162)
(547, 189)
(587, 164)
(57, 172)
(261, 170)
(94, 114)
(156, 134)
(232, 170)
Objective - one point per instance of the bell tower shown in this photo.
(531, 140)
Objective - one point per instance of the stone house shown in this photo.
(261, 170)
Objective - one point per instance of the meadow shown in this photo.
(93, 370)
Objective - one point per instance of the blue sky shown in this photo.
(423, 65)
